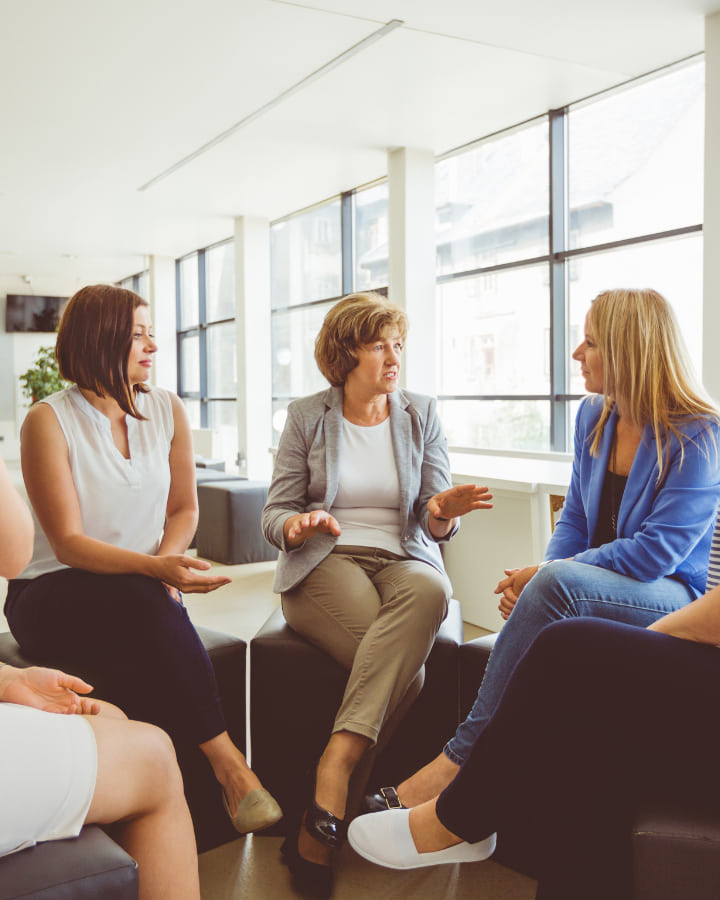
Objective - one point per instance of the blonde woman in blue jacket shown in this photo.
(633, 540)
(360, 499)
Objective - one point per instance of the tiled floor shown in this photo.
(250, 868)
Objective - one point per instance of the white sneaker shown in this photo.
(384, 838)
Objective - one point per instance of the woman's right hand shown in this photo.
(511, 586)
(182, 572)
(298, 528)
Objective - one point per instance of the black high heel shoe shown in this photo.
(324, 827)
(308, 878)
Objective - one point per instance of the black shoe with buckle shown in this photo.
(385, 798)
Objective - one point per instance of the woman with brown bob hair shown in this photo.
(109, 470)
(360, 499)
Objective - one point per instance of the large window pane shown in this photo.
(370, 233)
(222, 417)
(636, 159)
(295, 372)
(189, 302)
(491, 202)
(494, 333)
(143, 287)
(221, 364)
(190, 364)
(193, 411)
(672, 267)
(497, 424)
(220, 275)
(306, 254)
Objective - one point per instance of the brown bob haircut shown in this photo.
(94, 341)
(355, 320)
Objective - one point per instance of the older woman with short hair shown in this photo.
(360, 499)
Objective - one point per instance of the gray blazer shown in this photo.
(306, 476)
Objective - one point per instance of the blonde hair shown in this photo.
(355, 320)
(647, 368)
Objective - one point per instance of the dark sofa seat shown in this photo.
(212, 826)
(83, 868)
(296, 690)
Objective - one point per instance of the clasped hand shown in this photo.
(511, 586)
(298, 528)
(184, 573)
(459, 500)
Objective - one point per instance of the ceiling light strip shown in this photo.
(309, 79)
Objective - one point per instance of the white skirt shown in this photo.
(48, 767)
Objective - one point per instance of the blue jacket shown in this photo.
(664, 529)
(307, 469)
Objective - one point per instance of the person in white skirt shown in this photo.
(66, 759)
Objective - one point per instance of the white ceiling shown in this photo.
(97, 98)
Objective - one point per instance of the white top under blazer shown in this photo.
(122, 501)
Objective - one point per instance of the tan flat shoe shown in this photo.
(256, 810)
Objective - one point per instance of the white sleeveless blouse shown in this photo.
(122, 501)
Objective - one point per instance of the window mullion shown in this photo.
(346, 237)
(202, 316)
(558, 278)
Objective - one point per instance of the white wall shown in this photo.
(711, 225)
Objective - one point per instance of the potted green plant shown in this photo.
(43, 377)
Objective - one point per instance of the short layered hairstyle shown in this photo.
(355, 320)
(94, 341)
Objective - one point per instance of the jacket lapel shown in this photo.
(401, 432)
(333, 442)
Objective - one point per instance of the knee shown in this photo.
(154, 755)
(547, 586)
(430, 603)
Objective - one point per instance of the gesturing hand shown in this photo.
(459, 500)
(184, 573)
(300, 527)
(47, 689)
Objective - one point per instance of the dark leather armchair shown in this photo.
(92, 865)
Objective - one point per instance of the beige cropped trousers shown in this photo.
(377, 614)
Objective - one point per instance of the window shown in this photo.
(139, 283)
(207, 363)
(534, 222)
(318, 256)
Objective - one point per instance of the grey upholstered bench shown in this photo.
(229, 522)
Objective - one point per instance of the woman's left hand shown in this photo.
(47, 689)
(459, 500)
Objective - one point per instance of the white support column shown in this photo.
(711, 220)
(162, 310)
(254, 363)
(411, 177)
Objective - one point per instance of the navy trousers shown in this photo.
(598, 718)
(127, 629)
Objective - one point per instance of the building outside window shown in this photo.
(317, 256)
(207, 361)
(534, 222)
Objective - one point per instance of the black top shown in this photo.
(612, 492)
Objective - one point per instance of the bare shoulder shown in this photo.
(40, 421)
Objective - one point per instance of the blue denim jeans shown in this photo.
(562, 590)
